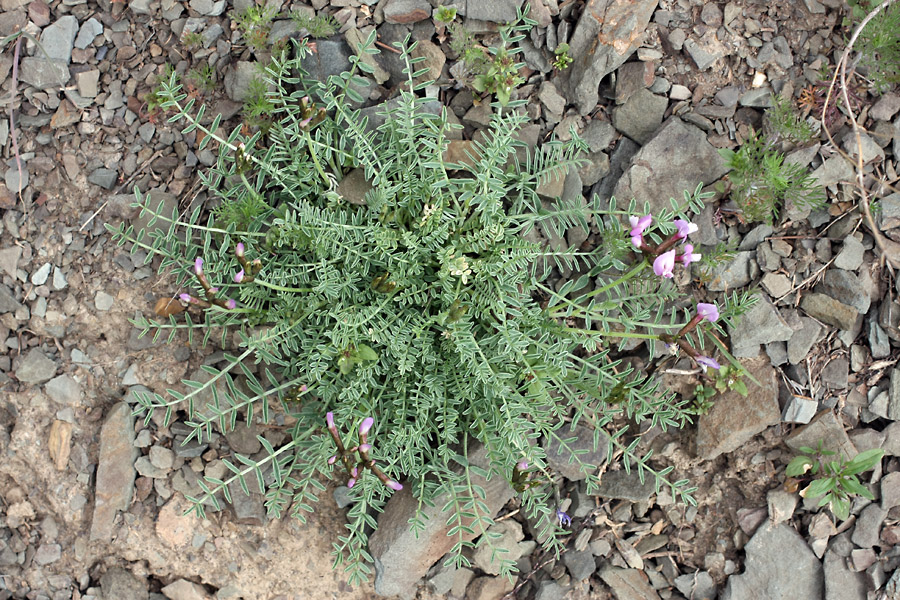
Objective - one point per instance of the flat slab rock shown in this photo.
(779, 565)
(734, 418)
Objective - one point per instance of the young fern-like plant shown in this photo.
(417, 318)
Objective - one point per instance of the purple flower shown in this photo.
(685, 228)
(332, 459)
(239, 250)
(198, 266)
(393, 485)
(563, 519)
(709, 312)
(522, 465)
(186, 298)
(365, 447)
(664, 264)
(239, 277)
(329, 420)
(302, 388)
(230, 304)
(638, 226)
(366, 425)
(705, 361)
(304, 122)
(351, 482)
(688, 257)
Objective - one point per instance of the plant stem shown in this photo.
(315, 159)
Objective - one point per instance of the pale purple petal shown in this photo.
(708, 311)
(394, 485)
(637, 241)
(230, 304)
(186, 298)
(351, 482)
(239, 250)
(639, 224)
(522, 465)
(332, 459)
(198, 266)
(664, 264)
(685, 228)
(689, 256)
(705, 361)
(366, 425)
(329, 419)
(239, 277)
(365, 447)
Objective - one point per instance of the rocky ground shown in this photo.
(823, 338)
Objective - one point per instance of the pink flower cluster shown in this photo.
(666, 255)
(346, 455)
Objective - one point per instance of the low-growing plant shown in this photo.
(562, 60)
(878, 42)
(762, 181)
(318, 26)
(786, 125)
(192, 39)
(394, 335)
(834, 479)
(493, 70)
(255, 23)
(203, 78)
(727, 378)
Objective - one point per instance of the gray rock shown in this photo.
(776, 284)
(607, 34)
(565, 458)
(495, 11)
(758, 97)
(847, 288)
(832, 171)
(621, 485)
(161, 458)
(121, 583)
(551, 590)
(9, 261)
(756, 236)
(890, 490)
(140, 7)
(105, 178)
(59, 280)
(732, 274)
(702, 57)
(762, 324)
(89, 30)
(781, 505)
(393, 542)
(830, 311)
(42, 73)
(825, 427)
(182, 589)
(248, 509)
(886, 107)
(103, 301)
(238, 81)
(505, 547)
(640, 116)
(803, 339)
(40, 276)
(8, 302)
(799, 410)
(840, 582)
(599, 135)
(868, 526)
(64, 390)
(332, 57)
(406, 11)
(734, 419)
(243, 439)
(581, 565)
(147, 469)
(871, 150)
(851, 255)
(47, 554)
(657, 174)
(779, 564)
(57, 39)
(893, 411)
(551, 98)
(115, 471)
(628, 584)
(697, 586)
(35, 368)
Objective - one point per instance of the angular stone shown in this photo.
(621, 485)
(730, 275)
(890, 490)
(762, 324)
(734, 419)
(57, 39)
(115, 471)
(803, 339)
(489, 588)
(677, 158)
(121, 583)
(64, 390)
(406, 11)
(893, 410)
(581, 565)
(848, 288)
(628, 584)
(830, 311)
(640, 116)
(826, 427)
(181, 589)
(393, 544)
(868, 526)
(799, 410)
(607, 33)
(509, 534)
(779, 564)
(35, 368)
(560, 456)
(698, 586)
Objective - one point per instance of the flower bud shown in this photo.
(239, 277)
(230, 304)
(365, 447)
(332, 459)
(351, 482)
(239, 250)
(393, 485)
(366, 425)
(198, 267)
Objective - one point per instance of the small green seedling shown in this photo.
(562, 60)
(319, 26)
(836, 480)
(445, 14)
(255, 23)
(727, 379)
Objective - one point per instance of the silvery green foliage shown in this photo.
(425, 308)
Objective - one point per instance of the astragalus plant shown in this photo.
(419, 318)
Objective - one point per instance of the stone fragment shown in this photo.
(826, 427)
(560, 456)
(703, 54)
(606, 35)
(406, 11)
(105, 178)
(628, 584)
(830, 311)
(762, 324)
(776, 284)
(393, 542)
(8, 302)
(43, 73)
(59, 443)
(489, 588)
(851, 255)
(734, 419)
(40, 276)
(58, 39)
(732, 274)
(47, 554)
(581, 564)
(848, 288)
(88, 31)
(35, 368)
(893, 409)
(890, 490)
(699, 585)
(621, 485)
(658, 172)
(781, 505)
(121, 583)
(779, 564)
(868, 526)
(599, 135)
(640, 115)
(799, 409)
(173, 526)
(115, 471)
(509, 534)
(64, 390)
(181, 589)
(803, 339)
(840, 582)
(9, 262)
